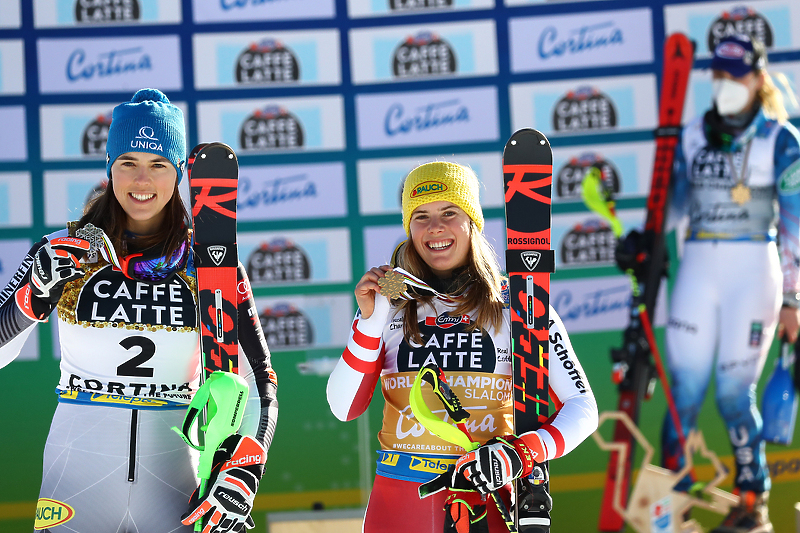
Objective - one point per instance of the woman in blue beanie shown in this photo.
(130, 354)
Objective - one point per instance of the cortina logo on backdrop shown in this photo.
(584, 109)
(98, 12)
(107, 64)
(277, 191)
(146, 139)
(267, 61)
(425, 54)
(271, 128)
(95, 135)
(583, 39)
(571, 305)
(426, 117)
(741, 19)
(570, 176)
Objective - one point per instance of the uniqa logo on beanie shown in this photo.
(428, 187)
(146, 140)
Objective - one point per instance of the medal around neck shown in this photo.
(740, 194)
(395, 286)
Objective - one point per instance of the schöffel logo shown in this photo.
(146, 139)
(271, 128)
(107, 64)
(584, 109)
(424, 55)
(428, 187)
(570, 176)
(51, 513)
(95, 135)
(741, 19)
(93, 12)
(267, 61)
(446, 321)
(411, 5)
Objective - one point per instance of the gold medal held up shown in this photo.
(393, 285)
(740, 194)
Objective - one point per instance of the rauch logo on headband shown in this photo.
(428, 187)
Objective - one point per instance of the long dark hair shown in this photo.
(105, 211)
(479, 286)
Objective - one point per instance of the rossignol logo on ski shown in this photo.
(428, 187)
(217, 253)
(530, 259)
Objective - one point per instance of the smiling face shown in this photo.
(143, 184)
(440, 232)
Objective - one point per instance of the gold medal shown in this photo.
(393, 285)
(740, 194)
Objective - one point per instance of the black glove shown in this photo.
(54, 264)
(231, 489)
(632, 252)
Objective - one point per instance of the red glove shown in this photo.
(500, 461)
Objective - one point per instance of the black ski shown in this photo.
(528, 176)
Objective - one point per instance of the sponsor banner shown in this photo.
(13, 134)
(292, 191)
(410, 53)
(12, 67)
(380, 241)
(12, 254)
(54, 13)
(79, 131)
(11, 14)
(427, 118)
(380, 181)
(277, 124)
(66, 193)
(266, 59)
(296, 257)
(583, 106)
(306, 322)
(771, 21)
(15, 200)
(583, 240)
(585, 40)
(599, 303)
(627, 168)
(109, 64)
(371, 8)
(699, 94)
(254, 11)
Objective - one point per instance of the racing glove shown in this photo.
(54, 264)
(227, 502)
(500, 461)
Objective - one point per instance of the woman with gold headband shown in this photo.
(462, 324)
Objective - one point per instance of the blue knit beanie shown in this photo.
(148, 123)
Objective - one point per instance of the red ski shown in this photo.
(634, 371)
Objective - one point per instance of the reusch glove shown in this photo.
(500, 461)
(54, 265)
(231, 489)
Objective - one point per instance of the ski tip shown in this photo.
(524, 145)
(218, 149)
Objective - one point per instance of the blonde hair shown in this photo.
(480, 286)
(772, 97)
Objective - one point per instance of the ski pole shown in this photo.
(459, 436)
(224, 395)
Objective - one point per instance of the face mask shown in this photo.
(730, 96)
